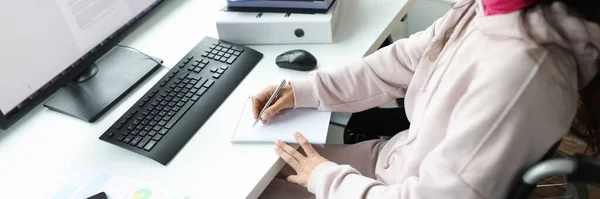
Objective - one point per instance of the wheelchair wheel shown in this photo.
(577, 191)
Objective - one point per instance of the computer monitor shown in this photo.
(46, 44)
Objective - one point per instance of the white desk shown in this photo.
(45, 145)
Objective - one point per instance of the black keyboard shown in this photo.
(162, 121)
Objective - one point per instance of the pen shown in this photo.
(275, 94)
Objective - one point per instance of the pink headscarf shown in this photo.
(494, 7)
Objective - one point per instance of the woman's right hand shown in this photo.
(283, 101)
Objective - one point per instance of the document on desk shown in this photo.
(312, 123)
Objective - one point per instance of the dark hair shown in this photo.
(586, 123)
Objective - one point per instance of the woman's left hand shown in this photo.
(303, 165)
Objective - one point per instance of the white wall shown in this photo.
(420, 16)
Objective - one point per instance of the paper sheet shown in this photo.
(313, 124)
(85, 183)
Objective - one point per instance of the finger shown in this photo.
(259, 100)
(294, 179)
(291, 150)
(310, 151)
(269, 112)
(288, 158)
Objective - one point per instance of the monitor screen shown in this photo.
(42, 38)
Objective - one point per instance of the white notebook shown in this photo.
(313, 124)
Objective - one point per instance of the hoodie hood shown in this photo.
(585, 45)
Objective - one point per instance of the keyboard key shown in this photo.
(224, 45)
(191, 67)
(143, 133)
(201, 91)
(218, 48)
(163, 103)
(216, 75)
(124, 133)
(177, 90)
(180, 85)
(154, 113)
(183, 76)
(171, 104)
(166, 118)
(135, 140)
(205, 54)
(220, 71)
(211, 56)
(131, 127)
(147, 128)
(111, 134)
(153, 123)
(172, 94)
(136, 122)
(185, 99)
(204, 61)
(171, 113)
(134, 132)
(217, 57)
(237, 53)
(193, 90)
(197, 69)
(188, 95)
(161, 123)
(179, 95)
(119, 126)
(181, 65)
(144, 142)
(157, 128)
(160, 99)
(209, 83)
(157, 137)
(224, 67)
(223, 59)
(214, 69)
(189, 86)
(157, 118)
(162, 84)
(185, 90)
(155, 103)
(220, 53)
(230, 51)
(149, 117)
(195, 98)
(179, 114)
(231, 60)
(227, 55)
(128, 139)
(177, 108)
(175, 72)
(120, 138)
(160, 107)
(163, 131)
(162, 113)
(150, 145)
(237, 48)
(179, 104)
(152, 133)
(144, 123)
(185, 81)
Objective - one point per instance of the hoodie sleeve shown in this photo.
(484, 147)
(368, 82)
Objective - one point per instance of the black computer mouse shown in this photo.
(300, 60)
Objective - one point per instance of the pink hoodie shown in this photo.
(490, 105)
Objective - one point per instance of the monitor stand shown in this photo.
(102, 85)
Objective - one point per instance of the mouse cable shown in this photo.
(139, 51)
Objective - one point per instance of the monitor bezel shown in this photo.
(72, 71)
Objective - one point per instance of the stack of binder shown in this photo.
(284, 6)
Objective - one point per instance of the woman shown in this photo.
(488, 89)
